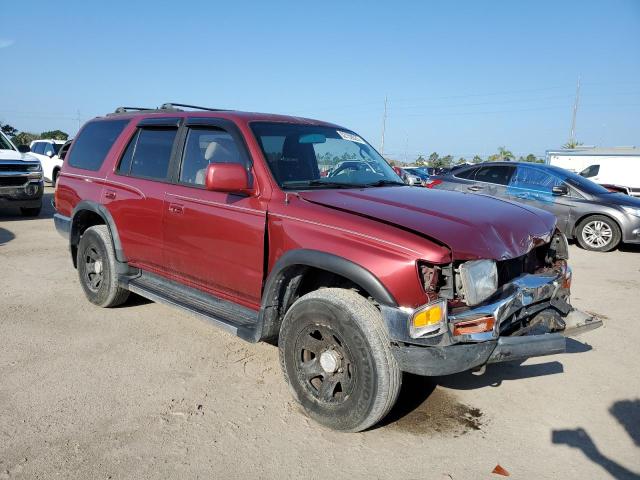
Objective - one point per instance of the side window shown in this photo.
(590, 171)
(148, 153)
(94, 142)
(466, 174)
(534, 179)
(500, 174)
(205, 146)
(38, 147)
(47, 148)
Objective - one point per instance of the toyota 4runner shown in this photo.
(242, 219)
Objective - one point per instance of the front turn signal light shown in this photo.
(428, 319)
(479, 325)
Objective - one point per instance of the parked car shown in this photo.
(419, 172)
(356, 276)
(46, 150)
(595, 217)
(21, 183)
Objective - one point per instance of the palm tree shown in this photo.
(572, 144)
(505, 154)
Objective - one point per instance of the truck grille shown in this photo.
(13, 167)
(527, 263)
(12, 181)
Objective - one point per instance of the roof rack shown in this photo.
(171, 106)
(131, 109)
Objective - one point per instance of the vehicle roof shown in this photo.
(541, 166)
(235, 115)
(48, 140)
(588, 151)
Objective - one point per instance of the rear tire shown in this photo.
(96, 262)
(54, 177)
(598, 233)
(30, 212)
(336, 357)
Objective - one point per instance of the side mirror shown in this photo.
(227, 177)
(560, 190)
(24, 148)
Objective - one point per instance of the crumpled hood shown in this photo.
(471, 225)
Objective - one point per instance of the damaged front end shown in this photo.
(486, 311)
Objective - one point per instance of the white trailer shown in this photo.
(617, 167)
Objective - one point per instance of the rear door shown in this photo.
(533, 186)
(135, 191)
(213, 240)
(492, 180)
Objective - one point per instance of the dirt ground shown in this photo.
(145, 391)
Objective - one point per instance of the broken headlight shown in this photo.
(479, 280)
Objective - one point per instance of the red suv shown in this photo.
(296, 231)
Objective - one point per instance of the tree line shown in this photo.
(25, 138)
(503, 154)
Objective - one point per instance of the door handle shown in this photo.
(474, 188)
(176, 208)
(110, 194)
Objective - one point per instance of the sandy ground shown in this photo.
(144, 391)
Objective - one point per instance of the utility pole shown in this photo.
(572, 138)
(384, 125)
(78, 119)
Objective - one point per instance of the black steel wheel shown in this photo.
(323, 364)
(97, 268)
(336, 357)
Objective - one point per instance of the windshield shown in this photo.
(5, 144)
(310, 156)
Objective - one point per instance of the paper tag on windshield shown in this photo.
(350, 136)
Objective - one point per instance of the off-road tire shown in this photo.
(30, 212)
(96, 242)
(616, 235)
(375, 379)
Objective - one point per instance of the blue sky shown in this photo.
(461, 77)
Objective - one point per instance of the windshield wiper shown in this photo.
(383, 183)
(319, 183)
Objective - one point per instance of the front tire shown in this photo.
(598, 233)
(336, 358)
(96, 262)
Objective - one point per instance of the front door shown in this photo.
(533, 186)
(213, 240)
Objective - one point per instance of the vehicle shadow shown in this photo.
(47, 211)
(629, 247)
(627, 412)
(6, 236)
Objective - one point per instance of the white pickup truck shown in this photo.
(21, 183)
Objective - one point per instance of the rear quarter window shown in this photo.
(93, 143)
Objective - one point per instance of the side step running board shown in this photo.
(233, 318)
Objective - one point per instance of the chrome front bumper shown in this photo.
(517, 303)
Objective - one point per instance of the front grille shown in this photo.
(12, 181)
(13, 167)
(527, 263)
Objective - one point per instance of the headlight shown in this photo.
(479, 280)
(34, 168)
(632, 211)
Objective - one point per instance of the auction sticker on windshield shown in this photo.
(352, 137)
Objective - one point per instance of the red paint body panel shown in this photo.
(215, 241)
